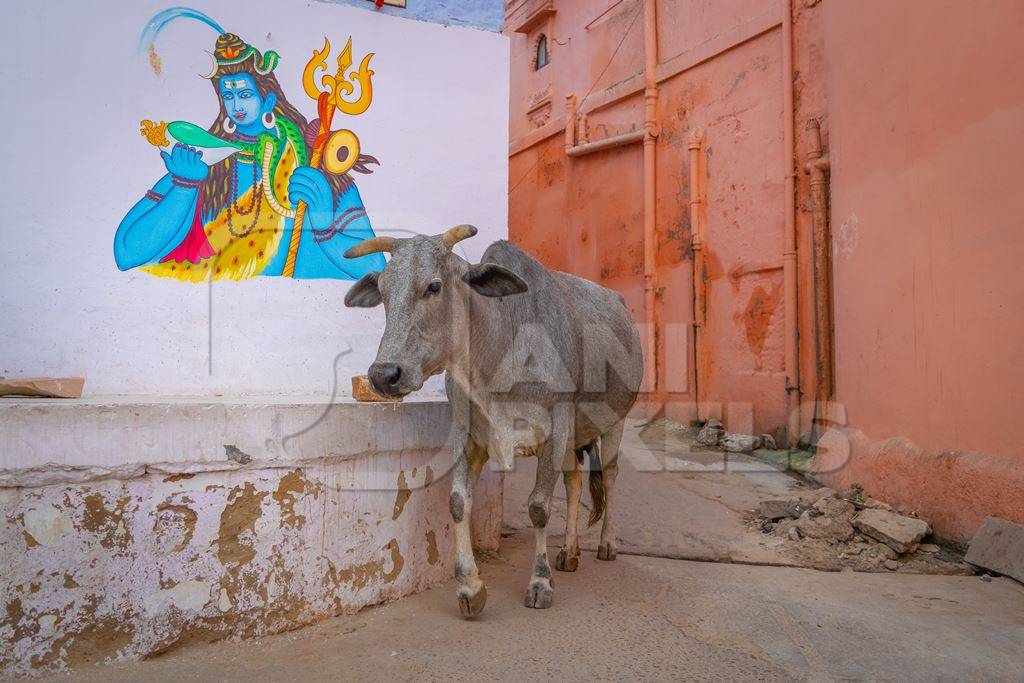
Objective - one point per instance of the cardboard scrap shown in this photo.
(44, 387)
(362, 390)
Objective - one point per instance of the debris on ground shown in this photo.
(835, 530)
(713, 434)
(902, 534)
(998, 546)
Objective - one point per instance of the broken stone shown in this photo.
(891, 565)
(872, 504)
(898, 532)
(794, 533)
(783, 527)
(768, 441)
(835, 507)
(710, 433)
(998, 546)
(739, 443)
(824, 526)
(879, 553)
(780, 509)
(928, 548)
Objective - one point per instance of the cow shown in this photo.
(538, 363)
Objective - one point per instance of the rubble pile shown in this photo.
(835, 530)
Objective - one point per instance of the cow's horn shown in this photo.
(371, 246)
(457, 234)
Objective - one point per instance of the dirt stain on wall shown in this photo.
(154, 60)
(757, 318)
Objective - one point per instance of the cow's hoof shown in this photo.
(566, 562)
(606, 552)
(471, 604)
(539, 595)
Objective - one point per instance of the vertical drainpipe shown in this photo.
(789, 262)
(696, 146)
(817, 168)
(654, 333)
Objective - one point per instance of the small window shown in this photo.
(541, 60)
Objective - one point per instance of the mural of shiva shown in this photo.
(281, 202)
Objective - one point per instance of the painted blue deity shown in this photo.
(237, 217)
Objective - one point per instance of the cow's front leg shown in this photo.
(472, 594)
(539, 593)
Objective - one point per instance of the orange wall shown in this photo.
(927, 151)
(720, 66)
(921, 105)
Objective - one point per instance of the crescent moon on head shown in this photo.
(213, 67)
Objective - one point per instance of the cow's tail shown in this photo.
(597, 498)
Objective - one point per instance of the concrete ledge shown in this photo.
(144, 535)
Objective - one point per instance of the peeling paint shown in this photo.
(108, 524)
(187, 595)
(46, 525)
(402, 497)
(239, 516)
(177, 522)
(432, 555)
(290, 484)
(223, 601)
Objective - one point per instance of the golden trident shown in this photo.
(330, 96)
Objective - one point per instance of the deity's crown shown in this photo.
(230, 49)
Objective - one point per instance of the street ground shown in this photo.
(696, 594)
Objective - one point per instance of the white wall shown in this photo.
(75, 90)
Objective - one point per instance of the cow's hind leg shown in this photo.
(610, 441)
(472, 594)
(568, 559)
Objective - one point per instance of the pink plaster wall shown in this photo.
(926, 103)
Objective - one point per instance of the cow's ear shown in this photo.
(490, 279)
(365, 293)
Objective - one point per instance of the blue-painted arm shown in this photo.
(153, 227)
(162, 219)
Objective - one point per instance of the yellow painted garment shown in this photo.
(235, 257)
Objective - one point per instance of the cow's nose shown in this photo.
(385, 376)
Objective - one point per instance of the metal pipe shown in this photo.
(651, 303)
(789, 262)
(696, 146)
(817, 167)
(607, 143)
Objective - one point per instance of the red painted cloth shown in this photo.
(195, 247)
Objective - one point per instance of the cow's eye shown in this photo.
(434, 287)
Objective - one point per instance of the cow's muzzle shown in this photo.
(386, 379)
